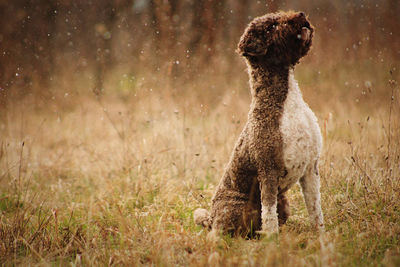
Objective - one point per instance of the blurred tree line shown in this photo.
(43, 39)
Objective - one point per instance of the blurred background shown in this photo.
(117, 118)
(52, 48)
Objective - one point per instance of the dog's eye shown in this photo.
(272, 26)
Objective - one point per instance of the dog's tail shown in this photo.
(202, 217)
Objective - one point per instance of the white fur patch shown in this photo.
(302, 140)
(201, 217)
(269, 219)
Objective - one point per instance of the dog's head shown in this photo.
(277, 39)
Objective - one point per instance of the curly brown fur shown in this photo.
(249, 188)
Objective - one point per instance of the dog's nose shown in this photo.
(301, 14)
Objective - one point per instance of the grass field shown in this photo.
(115, 180)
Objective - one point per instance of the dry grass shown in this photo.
(115, 182)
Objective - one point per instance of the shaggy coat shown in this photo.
(281, 141)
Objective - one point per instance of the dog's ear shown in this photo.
(252, 42)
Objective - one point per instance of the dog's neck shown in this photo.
(269, 86)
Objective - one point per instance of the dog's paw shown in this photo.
(270, 224)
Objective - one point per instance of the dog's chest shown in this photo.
(302, 141)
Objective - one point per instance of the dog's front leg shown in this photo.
(269, 193)
(310, 185)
